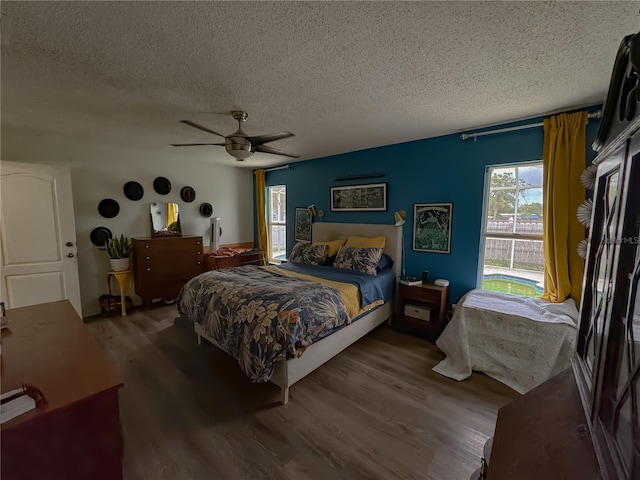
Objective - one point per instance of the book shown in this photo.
(15, 407)
(411, 282)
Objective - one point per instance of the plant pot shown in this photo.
(119, 264)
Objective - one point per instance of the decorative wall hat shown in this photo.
(108, 208)
(188, 194)
(206, 210)
(162, 185)
(100, 236)
(133, 191)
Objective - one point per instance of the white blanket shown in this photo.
(519, 341)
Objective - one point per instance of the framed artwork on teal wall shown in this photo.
(303, 225)
(432, 227)
(359, 198)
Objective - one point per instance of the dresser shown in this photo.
(76, 434)
(161, 266)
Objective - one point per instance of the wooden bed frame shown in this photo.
(288, 372)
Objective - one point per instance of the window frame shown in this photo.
(271, 223)
(514, 236)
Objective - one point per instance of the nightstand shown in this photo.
(420, 298)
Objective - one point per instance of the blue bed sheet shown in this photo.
(372, 287)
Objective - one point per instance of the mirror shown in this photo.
(165, 219)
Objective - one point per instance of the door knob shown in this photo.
(69, 244)
(70, 255)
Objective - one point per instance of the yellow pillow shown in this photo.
(366, 242)
(334, 246)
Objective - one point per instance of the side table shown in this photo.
(125, 284)
(430, 296)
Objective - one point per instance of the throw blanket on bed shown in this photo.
(519, 341)
(349, 293)
(260, 316)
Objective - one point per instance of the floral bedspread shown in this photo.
(259, 316)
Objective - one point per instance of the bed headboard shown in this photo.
(325, 231)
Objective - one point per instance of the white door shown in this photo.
(37, 235)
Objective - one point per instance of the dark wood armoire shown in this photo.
(585, 423)
(607, 364)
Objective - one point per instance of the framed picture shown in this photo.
(359, 198)
(432, 227)
(303, 225)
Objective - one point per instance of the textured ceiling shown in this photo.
(82, 80)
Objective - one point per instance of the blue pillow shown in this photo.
(329, 261)
(385, 263)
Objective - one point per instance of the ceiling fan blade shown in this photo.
(275, 151)
(195, 144)
(200, 127)
(260, 139)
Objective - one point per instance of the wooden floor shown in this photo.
(377, 410)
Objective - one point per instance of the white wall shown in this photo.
(229, 190)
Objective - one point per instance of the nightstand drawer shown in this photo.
(417, 311)
(421, 293)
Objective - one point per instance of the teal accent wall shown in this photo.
(433, 170)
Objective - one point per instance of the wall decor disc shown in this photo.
(584, 212)
(108, 208)
(100, 235)
(188, 194)
(133, 190)
(206, 210)
(162, 185)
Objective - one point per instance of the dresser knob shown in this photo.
(198, 253)
(199, 263)
(148, 269)
(197, 243)
(146, 246)
(148, 258)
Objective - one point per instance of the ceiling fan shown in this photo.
(238, 144)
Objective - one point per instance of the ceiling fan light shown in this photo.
(239, 152)
(238, 144)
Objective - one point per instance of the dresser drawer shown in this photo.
(169, 246)
(170, 262)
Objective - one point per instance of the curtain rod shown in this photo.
(283, 167)
(464, 136)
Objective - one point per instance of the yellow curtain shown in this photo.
(564, 160)
(261, 211)
(172, 213)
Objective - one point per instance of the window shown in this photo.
(512, 255)
(277, 222)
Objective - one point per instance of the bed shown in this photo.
(329, 300)
(521, 342)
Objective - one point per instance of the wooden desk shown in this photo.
(77, 434)
(544, 435)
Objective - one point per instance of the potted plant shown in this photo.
(119, 250)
